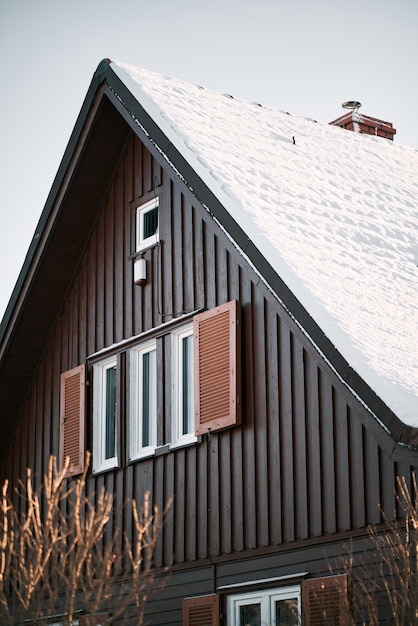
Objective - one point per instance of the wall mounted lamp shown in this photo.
(140, 272)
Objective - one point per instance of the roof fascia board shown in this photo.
(146, 128)
(51, 208)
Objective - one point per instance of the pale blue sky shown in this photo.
(303, 56)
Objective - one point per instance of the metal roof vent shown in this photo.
(354, 105)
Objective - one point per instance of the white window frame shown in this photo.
(267, 599)
(178, 437)
(100, 462)
(137, 449)
(143, 242)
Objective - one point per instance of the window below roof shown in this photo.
(198, 358)
(147, 233)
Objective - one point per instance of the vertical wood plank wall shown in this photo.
(301, 465)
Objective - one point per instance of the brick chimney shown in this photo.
(358, 123)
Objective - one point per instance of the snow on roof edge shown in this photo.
(401, 400)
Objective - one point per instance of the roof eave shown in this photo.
(18, 297)
(61, 234)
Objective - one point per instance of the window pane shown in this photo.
(187, 385)
(250, 615)
(147, 224)
(287, 612)
(110, 413)
(149, 398)
(150, 222)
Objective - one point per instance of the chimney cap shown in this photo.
(354, 105)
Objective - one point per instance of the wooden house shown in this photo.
(220, 303)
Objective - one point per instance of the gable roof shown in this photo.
(334, 213)
(327, 218)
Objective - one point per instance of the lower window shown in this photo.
(275, 607)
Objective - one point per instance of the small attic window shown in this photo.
(147, 225)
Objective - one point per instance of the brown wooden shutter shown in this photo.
(72, 418)
(217, 352)
(201, 611)
(325, 601)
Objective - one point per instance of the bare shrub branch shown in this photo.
(386, 581)
(60, 552)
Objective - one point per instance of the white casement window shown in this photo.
(105, 421)
(183, 386)
(147, 225)
(276, 607)
(143, 400)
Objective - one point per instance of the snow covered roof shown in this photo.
(334, 213)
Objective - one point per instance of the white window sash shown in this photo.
(288, 593)
(143, 401)
(100, 415)
(142, 241)
(183, 388)
(266, 599)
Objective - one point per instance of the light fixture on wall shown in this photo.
(140, 272)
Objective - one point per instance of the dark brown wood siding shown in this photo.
(308, 459)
